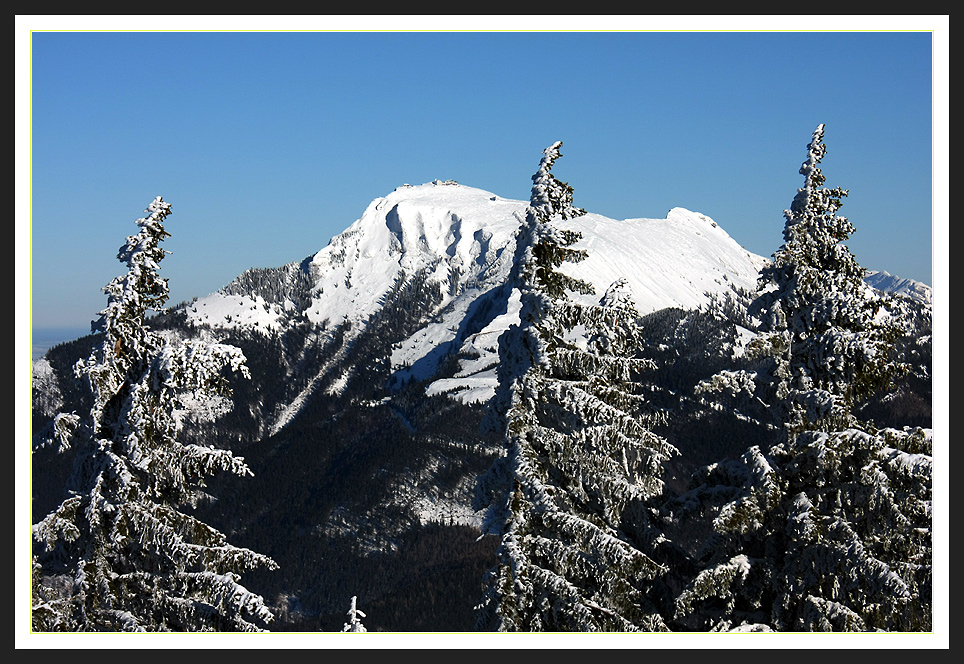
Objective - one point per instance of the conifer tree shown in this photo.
(132, 559)
(828, 527)
(355, 615)
(827, 532)
(824, 331)
(579, 453)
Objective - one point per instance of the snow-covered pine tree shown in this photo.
(354, 623)
(829, 532)
(824, 331)
(827, 527)
(130, 558)
(579, 452)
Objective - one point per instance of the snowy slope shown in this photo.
(672, 262)
(667, 262)
(458, 232)
(463, 238)
(887, 282)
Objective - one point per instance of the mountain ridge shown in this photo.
(461, 239)
(447, 225)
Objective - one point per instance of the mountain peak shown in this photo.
(885, 281)
(461, 240)
(457, 243)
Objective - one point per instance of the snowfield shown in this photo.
(464, 238)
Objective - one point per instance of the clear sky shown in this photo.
(269, 143)
(270, 140)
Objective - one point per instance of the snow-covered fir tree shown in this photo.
(824, 332)
(829, 532)
(355, 615)
(579, 453)
(119, 554)
(827, 527)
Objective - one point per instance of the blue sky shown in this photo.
(267, 144)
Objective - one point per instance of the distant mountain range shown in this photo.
(906, 287)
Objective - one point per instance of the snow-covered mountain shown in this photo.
(460, 240)
(910, 288)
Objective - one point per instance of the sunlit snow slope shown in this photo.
(463, 238)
